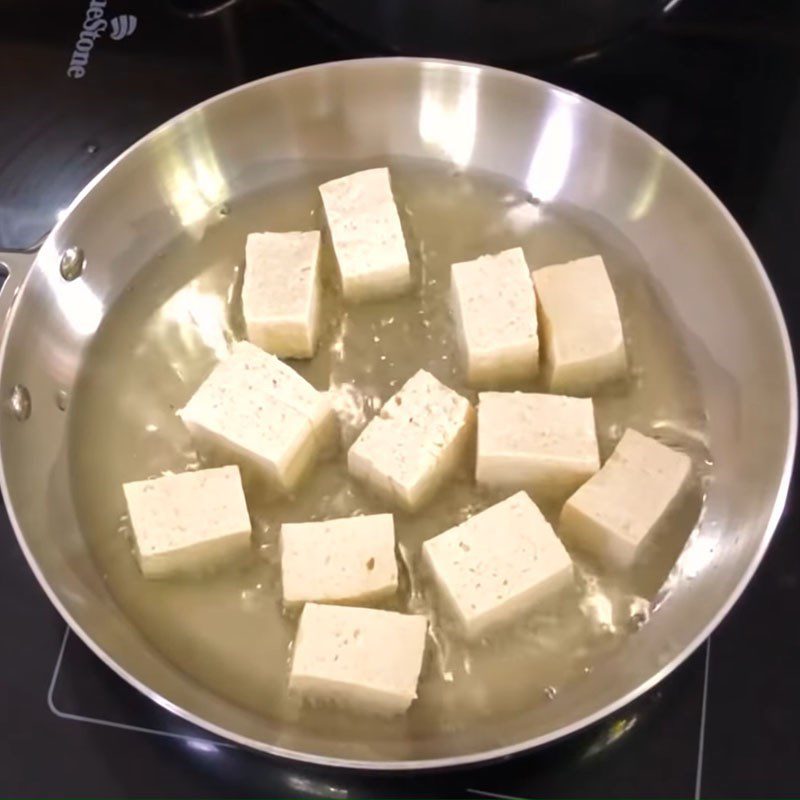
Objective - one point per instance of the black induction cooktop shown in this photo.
(718, 83)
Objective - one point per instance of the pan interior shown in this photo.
(227, 630)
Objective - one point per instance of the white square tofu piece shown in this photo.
(360, 658)
(615, 511)
(579, 325)
(189, 521)
(414, 443)
(367, 235)
(257, 409)
(347, 560)
(495, 310)
(280, 292)
(497, 565)
(543, 442)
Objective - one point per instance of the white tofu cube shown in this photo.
(280, 292)
(189, 521)
(615, 511)
(543, 442)
(367, 235)
(359, 658)
(414, 443)
(495, 310)
(259, 410)
(579, 325)
(496, 566)
(338, 561)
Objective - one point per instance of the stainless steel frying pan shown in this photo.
(490, 120)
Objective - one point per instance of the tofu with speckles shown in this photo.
(614, 513)
(579, 325)
(414, 443)
(495, 310)
(188, 522)
(542, 442)
(495, 567)
(257, 409)
(360, 658)
(348, 560)
(367, 235)
(280, 292)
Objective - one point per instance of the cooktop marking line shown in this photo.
(111, 723)
(494, 795)
(698, 784)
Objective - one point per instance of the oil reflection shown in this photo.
(648, 189)
(199, 314)
(598, 607)
(448, 115)
(82, 306)
(551, 159)
(192, 179)
(698, 555)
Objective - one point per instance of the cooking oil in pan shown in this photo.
(228, 629)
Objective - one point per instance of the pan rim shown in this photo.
(500, 753)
